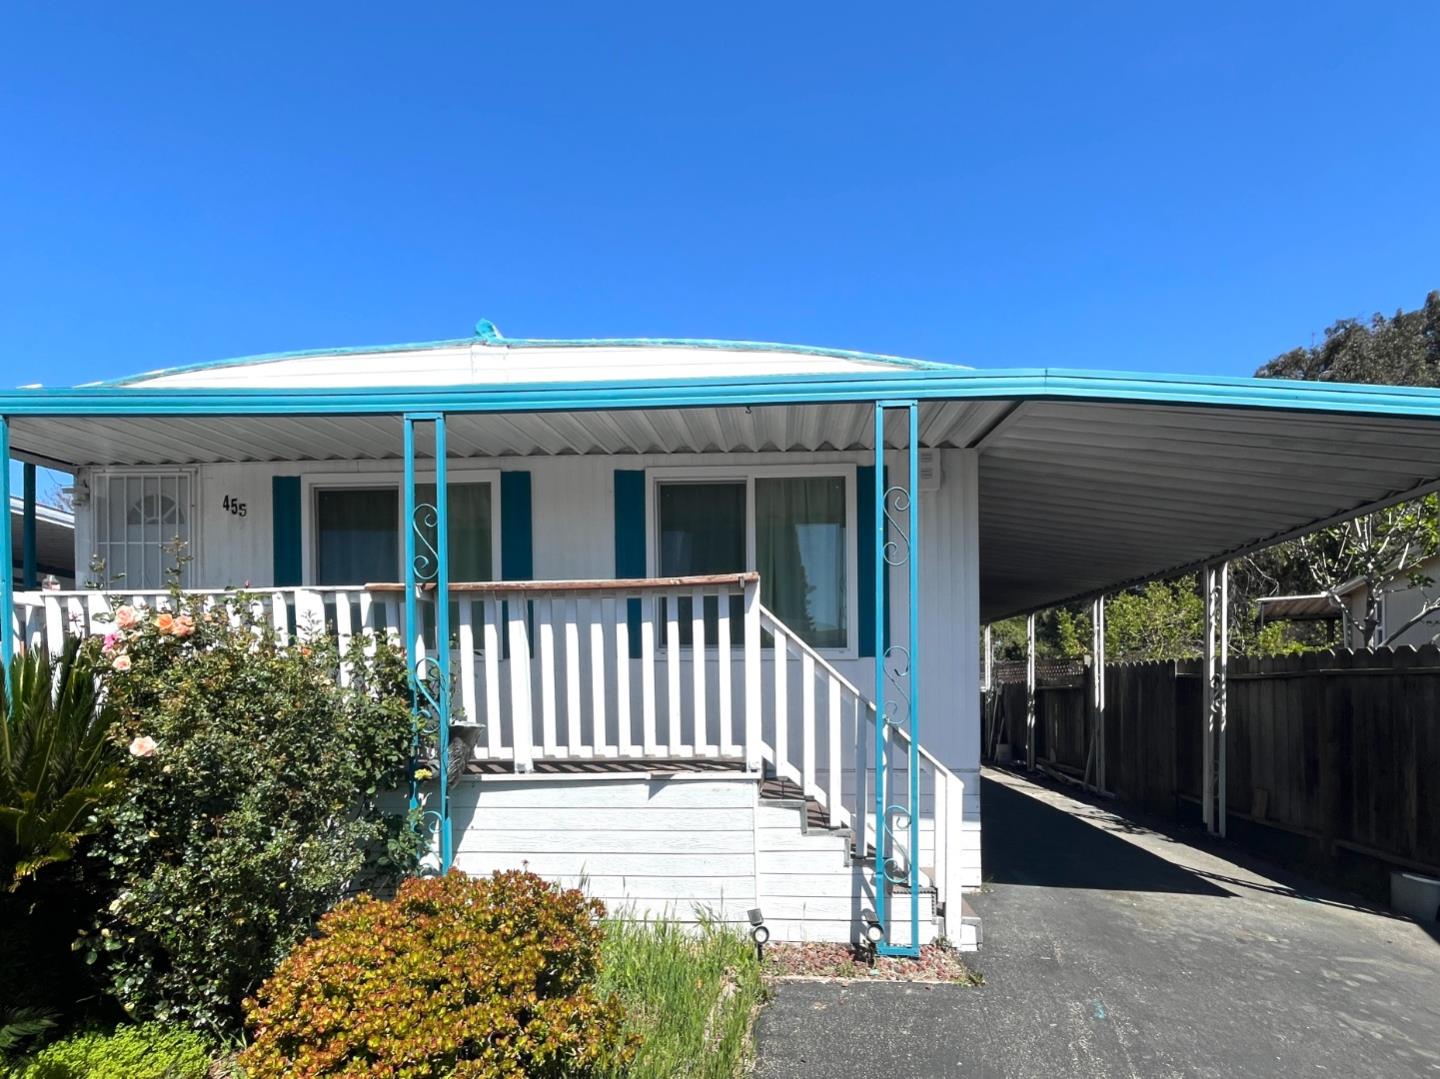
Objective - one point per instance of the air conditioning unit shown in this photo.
(931, 474)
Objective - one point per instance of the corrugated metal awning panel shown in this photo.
(155, 440)
(1075, 496)
(1079, 497)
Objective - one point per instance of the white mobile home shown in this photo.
(715, 607)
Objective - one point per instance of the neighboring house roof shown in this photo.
(54, 538)
(1318, 607)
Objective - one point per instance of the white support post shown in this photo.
(1223, 691)
(1217, 669)
(1207, 702)
(751, 664)
(987, 679)
(1097, 692)
(1030, 692)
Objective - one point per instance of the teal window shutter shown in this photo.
(630, 541)
(285, 523)
(517, 541)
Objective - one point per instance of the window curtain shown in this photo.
(800, 553)
(468, 507)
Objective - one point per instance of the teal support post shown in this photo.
(427, 568)
(7, 555)
(897, 538)
(27, 529)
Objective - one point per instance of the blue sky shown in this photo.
(1135, 186)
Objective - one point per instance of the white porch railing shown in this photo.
(672, 668)
(621, 669)
(941, 791)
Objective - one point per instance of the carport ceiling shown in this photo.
(1079, 497)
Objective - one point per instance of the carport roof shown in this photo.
(1088, 480)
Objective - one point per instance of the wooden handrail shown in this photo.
(623, 584)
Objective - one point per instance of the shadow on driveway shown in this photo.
(1025, 841)
(1116, 946)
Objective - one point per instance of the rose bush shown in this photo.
(249, 804)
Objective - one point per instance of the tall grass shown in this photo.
(690, 993)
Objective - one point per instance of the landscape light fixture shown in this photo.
(758, 932)
(871, 932)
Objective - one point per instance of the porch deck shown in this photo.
(576, 681)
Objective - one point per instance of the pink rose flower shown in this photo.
(143, 746)
(111, 640)
(183, 626)
(121, 662)
(126, 617)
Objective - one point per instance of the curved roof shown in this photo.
(489, 358)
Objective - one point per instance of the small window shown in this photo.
(358, 536)
(140, 519)
(702, 530)
(798, 530)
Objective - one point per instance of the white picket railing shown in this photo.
(673, 668)
(620, 669)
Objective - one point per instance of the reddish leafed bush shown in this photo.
(476, 979)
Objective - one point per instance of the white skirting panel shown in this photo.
(690, 847)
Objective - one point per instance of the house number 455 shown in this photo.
(234, 506)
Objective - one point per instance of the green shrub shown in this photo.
(690, 996)
(476, 979)
(153, 1051)
(249, 803)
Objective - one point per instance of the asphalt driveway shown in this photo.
(1114, 949)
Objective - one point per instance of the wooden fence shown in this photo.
(1342, 748)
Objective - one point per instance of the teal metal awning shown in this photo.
(1088, 480)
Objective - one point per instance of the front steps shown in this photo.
(689, 840)
(817, 879)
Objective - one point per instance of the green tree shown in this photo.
(1400, 351)
(1159, 620)
(1384, 550)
